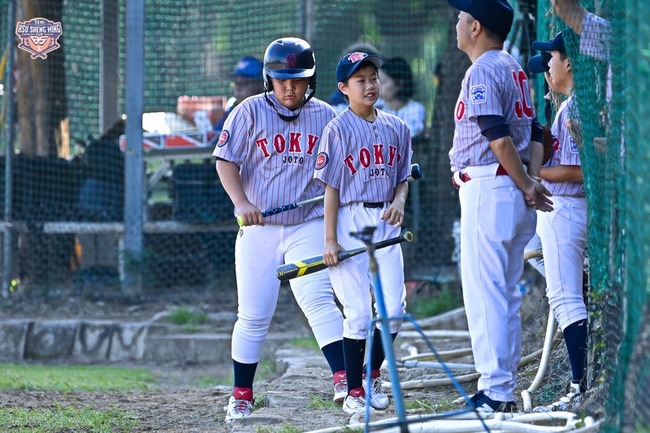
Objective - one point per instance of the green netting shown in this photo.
(69, 171)
(611, 105)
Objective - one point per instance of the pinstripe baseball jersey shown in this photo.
(364, 160)
(276, 157)
(595, 37)
(495, 85)
(565, 151)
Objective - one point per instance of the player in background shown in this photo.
(247, 80)
(364, 162)
(595, 32)
(490, 159)
(265, 158)
(563, 231)
(538, 64)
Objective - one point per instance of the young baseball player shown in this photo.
(364, 162)
(563, 232)
(265, 158)
(246, 81)
(491, 149)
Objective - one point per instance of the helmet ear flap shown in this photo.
(268, 85)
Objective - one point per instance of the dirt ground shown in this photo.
(287, 398)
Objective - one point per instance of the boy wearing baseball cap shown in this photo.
(364, 161)
(492, 166)
(246, 81)
(563, 232)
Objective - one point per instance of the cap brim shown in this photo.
(544, 46)
(535, 65)
(376, 60)
(461, 5)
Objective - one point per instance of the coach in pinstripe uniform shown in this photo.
(490, 158)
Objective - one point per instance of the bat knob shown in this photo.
(408, 236)
(416, 171)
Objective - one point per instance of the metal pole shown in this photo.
(109, 65)
(306, 20)
(386, 339)
(7, 251)
(134, 178)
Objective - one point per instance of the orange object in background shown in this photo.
(214, 106)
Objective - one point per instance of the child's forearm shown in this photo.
(331, 213)
(563, 173)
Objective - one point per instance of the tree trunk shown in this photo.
(41, 93)
(443, 208)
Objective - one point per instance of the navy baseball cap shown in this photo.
(555, 44)
(351, 62)
(495, 15)
(539, 63)
(248, 67)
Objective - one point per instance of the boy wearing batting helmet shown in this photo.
(364, 162)
(563, 232)
(265, 158)
(490, 159)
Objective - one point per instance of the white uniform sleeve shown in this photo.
(232, 144)
(596, 37)
(405, 155)
(329, 163)
(484, 95)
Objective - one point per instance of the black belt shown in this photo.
(377, 204)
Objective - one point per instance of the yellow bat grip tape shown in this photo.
(304, 266)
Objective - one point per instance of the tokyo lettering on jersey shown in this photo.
(364, 160)
(276, 157)
(565, 152)
(494, 85)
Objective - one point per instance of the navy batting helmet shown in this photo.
(289, 58)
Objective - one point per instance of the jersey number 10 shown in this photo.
(523, 106)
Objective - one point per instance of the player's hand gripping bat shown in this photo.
(315, 264)
(416, 173)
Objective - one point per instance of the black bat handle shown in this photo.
(278, 210)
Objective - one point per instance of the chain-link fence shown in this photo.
(68, 169)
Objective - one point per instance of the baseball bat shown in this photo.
(314, 264)
(416, 173)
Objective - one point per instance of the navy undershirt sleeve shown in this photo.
(493, 127)
(537, 134)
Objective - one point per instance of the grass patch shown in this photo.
(434, 300)
(426, 406)
(73, 378)
(284, 428)
(65, 419)
(318, 403)
(209, 381)
(189, 319)
(307, 343)
(70, 379)
(265, 369)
